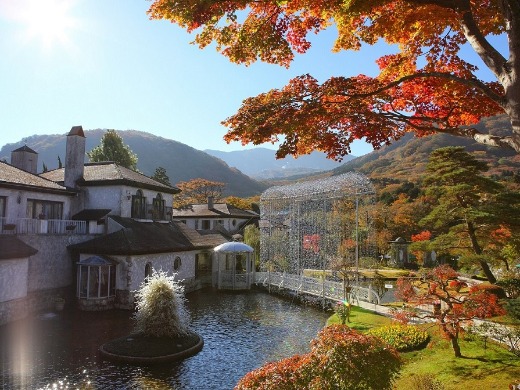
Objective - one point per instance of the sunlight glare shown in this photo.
(49, 21)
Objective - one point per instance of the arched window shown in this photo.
(138, 205)
(177, 262)
(158, 207)
(147, 270)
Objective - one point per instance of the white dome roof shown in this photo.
(233, 247)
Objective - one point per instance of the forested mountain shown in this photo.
(181, 161)
(406, 159)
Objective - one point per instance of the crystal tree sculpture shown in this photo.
(323, 225)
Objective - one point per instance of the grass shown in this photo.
(485, 365)
(362, 320)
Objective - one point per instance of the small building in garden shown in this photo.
(234, 267)
(399, 252)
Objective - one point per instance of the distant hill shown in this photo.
(261, 163)
(406, 159)
(182, 162)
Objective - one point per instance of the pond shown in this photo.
(241, 332)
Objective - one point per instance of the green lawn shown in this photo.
(484, 365)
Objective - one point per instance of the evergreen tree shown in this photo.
(467, 206)
(113, 149)
(161, 176)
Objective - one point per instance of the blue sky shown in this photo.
(104, 64)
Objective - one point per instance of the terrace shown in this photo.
(41, 226)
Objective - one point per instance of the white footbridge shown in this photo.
(318, 287)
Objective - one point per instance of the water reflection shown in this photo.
(241, 332)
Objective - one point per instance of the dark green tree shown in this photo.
(467, 206)
(45, 169)
(161, 176)
(113, 149)
(60, 164)
(252, 238)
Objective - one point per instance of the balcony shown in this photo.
(41, 226)
(150, 212)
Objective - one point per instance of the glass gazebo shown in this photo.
(96, 283)
(233, 268)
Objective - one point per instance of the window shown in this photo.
(158, 208)
(44, 209)
(3, 202)
(177, 263)
(218, 222)
(96, 278)
(138, 205)
(147, 270)
(202, 264)
(206, 224)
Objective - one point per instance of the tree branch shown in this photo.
(469, 82)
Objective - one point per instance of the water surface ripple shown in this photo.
(241, 332)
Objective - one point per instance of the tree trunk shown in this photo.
(478, 251)
(455, 345)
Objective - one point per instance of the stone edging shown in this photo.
(156, 359)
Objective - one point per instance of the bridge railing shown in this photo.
(314, 286)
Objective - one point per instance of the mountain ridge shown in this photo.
(182, 162)
(261, 163)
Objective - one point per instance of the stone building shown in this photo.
(90, 233)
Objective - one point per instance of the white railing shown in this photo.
(41, 226)
(313, 286)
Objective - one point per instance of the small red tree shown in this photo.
(438, 287)
(340, 358)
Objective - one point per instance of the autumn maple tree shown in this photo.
(441, 287)
(198, 191)
(426, 86)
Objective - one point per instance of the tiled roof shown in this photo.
(137, 238)
(77, 130)
(90, 214)
(105, 173)
(14, 248)
(202, 239)
(25, 148)
(12, 176)
(218, 210)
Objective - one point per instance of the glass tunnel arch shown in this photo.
(323, 225)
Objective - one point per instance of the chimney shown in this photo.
(25, 158)
(210, 202)
(74, 157)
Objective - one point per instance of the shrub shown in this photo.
(513, 308)
(492, 289)
(402, 337)
(340, 359)
(511, 286)
(161, 307)
(342, 310)
(286, 374)
(346, 359)
(426, 382)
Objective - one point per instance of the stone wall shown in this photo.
(52, 267)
